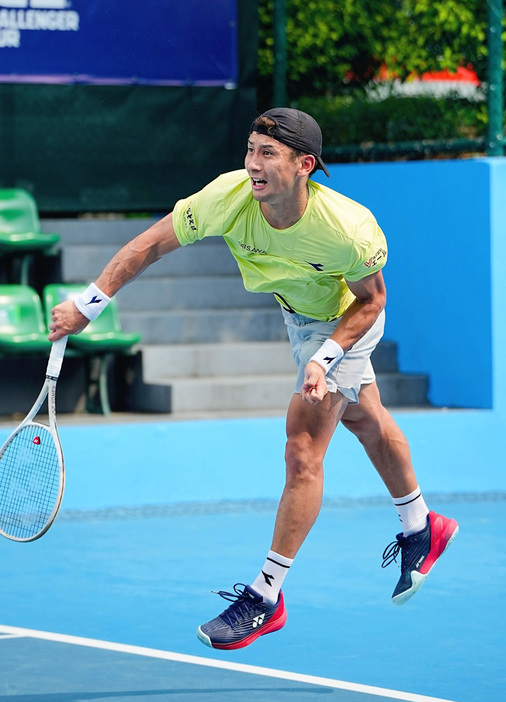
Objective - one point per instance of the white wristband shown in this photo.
(328, 355)
(91, 302)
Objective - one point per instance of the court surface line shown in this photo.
(16, 632)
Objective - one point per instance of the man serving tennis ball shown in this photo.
(321, 255)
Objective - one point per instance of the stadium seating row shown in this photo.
(20, 232)
(24, 320)
(25, 314)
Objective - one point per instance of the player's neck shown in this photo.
(285, 213)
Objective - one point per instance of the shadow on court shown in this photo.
(60, 673)
(37, 670)
(40, 671)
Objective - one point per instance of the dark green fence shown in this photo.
(88, 148)
(117, 148)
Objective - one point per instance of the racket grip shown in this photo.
(56, 357)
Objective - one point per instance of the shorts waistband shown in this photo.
(300, 320)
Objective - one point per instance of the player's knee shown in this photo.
(363, 426)
(303, 460)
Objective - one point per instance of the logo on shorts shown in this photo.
(316, 266)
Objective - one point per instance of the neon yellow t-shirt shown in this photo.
(306, 266)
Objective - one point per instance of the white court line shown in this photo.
(16, 632)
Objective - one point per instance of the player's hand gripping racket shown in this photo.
(32, 476)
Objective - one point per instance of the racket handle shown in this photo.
(56, 357)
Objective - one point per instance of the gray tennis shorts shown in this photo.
(307, 335)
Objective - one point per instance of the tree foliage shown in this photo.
(332, 46)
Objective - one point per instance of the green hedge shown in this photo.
(355, 120)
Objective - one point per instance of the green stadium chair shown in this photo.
(20, 232)
(98, 343)
(22, 327)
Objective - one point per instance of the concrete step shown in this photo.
(384, 357)
(239, 357)
(230, 393)
(205, 326)
(403, 389)
(192, 293)
(95, 231)
(84, 262)
(253, 376)
(271, 392)
(197, 360)
(201, 360)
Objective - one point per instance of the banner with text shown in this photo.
(156, 42)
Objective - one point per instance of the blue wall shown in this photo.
(442, 220)
(498, 259)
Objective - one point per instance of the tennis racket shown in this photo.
(32, 475)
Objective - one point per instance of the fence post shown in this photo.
(279, 88)
(495, 134)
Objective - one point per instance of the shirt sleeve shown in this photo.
(369, 252)
(200, 215)
(213, 209)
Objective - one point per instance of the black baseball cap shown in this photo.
(296, 129)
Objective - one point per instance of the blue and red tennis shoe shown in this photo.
(247, 618)
(419, 553)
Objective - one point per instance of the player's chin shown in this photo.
(259, 194)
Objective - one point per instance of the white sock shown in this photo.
(412, 511)
(269, 580)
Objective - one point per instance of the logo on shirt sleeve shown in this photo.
(189, 219)
(374, 260)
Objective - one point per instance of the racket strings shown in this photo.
(29, 482)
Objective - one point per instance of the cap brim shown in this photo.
(322, 166)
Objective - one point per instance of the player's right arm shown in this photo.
(127, 264)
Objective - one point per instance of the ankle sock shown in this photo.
(268, 582)
(412, 512)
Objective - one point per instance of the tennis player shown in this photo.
(321, 254)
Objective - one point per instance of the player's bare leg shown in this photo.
(253, 614)
(309, 430)
(383, 440)
(389, 452)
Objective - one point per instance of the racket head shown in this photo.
(32, 481)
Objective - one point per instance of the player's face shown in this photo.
(271, 167)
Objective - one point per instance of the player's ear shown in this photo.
(308, 163)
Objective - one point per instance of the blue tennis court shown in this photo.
(106, 605)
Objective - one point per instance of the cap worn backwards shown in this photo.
(296, 129)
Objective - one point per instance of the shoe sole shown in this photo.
(274, 624)
(418, 579)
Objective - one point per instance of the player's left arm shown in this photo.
(370, 299)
